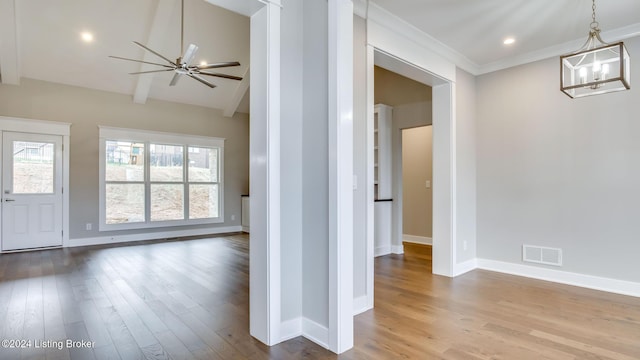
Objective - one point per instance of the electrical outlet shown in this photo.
(428, 184)
(89, 226)
(233, 217)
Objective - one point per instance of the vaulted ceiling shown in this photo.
(48, 46)
(40, 39)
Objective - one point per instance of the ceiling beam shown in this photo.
(9, 64)
(241, 90)
(161, 18)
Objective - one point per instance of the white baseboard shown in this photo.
(315, 332)
(564, 277)
(361, 304)
(417, 239)
(290, 329)
(382, 250)
(245, 229)
(397, 249)
(114, 239)
(465, 267)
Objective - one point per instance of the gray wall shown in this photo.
(558, 172)
(86, 109)
(291, 158)
(359, 157)
(315, 167)
(466, 197)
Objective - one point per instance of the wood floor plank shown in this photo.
(188, 299)
(77, 332)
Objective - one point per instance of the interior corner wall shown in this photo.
(466, 129)
(290, 163)
(315, 164)
(359, 158)
(86, 109)
(559, 172)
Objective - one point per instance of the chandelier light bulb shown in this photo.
(596, 66)
(583, 75)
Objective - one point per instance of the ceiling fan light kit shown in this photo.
(182, 64)
(596, 68)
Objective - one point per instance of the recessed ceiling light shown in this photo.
(86, 36)
(509, 41)
(203, 63)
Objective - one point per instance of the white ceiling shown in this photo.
(48, 44)
(476, 29)
(50, 48)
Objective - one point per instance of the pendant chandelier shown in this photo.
(597, 67)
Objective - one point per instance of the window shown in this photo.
(152, 179)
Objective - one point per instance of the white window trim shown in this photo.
(157, 137)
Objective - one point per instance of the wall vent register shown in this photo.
(542, 255)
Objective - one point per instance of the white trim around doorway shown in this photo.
(389, 48)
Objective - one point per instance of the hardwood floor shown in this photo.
(188, 299)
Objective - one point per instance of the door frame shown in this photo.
(399, 52)
(14, 124)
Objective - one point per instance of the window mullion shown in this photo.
(147, 182)
(185, 180)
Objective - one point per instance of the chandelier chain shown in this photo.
(594, 24)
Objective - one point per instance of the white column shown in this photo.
(444, 184)
(340, 175)
(264, 152)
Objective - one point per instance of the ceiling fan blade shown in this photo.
(175, 79)
(202, 80)
(149, 72)
(155, 53)
(189, 54)
(218, 65)
(141, 61)
(220, 75)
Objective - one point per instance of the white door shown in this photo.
(31, 191)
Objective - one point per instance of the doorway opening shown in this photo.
(402, 162)
(404, 61)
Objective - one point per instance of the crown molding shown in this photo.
(557, 50)
(393, 23)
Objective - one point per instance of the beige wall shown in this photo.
(417, 199)
(394, 89)
(87, 109)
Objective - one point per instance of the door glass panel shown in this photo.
(125, 161)
(203, 164)
(33, 171)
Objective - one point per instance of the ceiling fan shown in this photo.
(182, 64)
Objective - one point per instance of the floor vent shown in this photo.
(542, 255)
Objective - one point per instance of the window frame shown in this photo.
(159, 138)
